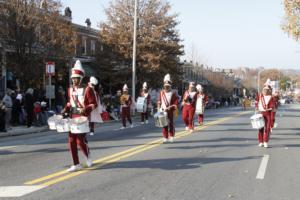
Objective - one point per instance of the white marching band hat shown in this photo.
(93, 80)
(145, 86)
(125, 87)
(77, 70)
(167, 80)
(199, 87)
(192, 84)
(267, 84)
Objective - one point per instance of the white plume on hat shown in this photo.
(125, 87)
(199, 87)
(167, 80)
(145, 85)
(77, 70)
(93, 80)
(267, 84)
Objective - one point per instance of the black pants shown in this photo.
(29, 120)
(2, 122)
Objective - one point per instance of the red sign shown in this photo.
(50, 68)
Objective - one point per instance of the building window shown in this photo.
(83, 45)
(93, 47)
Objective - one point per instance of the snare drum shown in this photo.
(63, 126)
(141, 104)
(79, 125)
(257, 121)
(52, 121)
(161, 119)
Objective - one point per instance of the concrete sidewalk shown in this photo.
(22, 130)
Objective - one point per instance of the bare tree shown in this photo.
(158, 42)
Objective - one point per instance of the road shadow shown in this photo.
(234, 124)
(174, 163)
(226, 130)
(232, 139)
(287, 129)
(210, 146)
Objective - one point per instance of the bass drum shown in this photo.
(141, 105)
(199, 106)
(79, 125)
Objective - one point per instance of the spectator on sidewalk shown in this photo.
(116, 104)
(37, 109)
(16, 109)
(7, 100)
(28, 104)
(2, 117)
(60, 99)
(44, 113)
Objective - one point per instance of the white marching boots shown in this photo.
(89, 162)
(74, 168)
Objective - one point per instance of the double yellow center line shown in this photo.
(63, 175)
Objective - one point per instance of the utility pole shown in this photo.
(258, 79)
(134, 49)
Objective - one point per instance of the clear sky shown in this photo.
(227, 34)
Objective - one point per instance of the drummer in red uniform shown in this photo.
(265, 104)
(201, 97)
(189, 107)
(168, 102)
(145, 93)
(81, 102)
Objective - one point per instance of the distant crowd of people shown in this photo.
(27, 108)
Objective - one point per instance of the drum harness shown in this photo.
(167, 104)
(78, 105)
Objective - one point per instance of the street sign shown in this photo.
(50, 91)
(50, 68)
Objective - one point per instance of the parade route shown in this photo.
(220, 160)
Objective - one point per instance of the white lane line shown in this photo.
(7, 147)
(263, 167)
(18, 191)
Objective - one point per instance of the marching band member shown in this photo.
(80, 103)
(276, 104)
(145, 93)
(95, 115)
(265, 104)
(126, 102)
(189, 107)
(168, 102)
(203, 97)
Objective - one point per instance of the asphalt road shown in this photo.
(218, 161)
